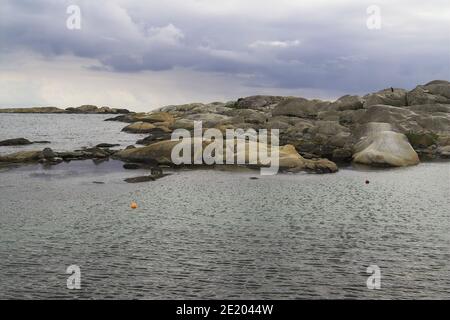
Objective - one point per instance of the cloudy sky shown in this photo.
(144, 54)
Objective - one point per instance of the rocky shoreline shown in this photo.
(390, 128)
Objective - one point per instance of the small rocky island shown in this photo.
(389, 128)
(84, 109)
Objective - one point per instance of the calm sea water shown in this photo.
(214, 234)
(66, 132)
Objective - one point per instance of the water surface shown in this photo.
(66, 132)
(211, 234)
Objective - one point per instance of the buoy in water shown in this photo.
(367, 181)
(133, 205)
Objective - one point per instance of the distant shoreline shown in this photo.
(84, 109)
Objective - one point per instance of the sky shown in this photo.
(142, 55)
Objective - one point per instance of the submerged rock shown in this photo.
(107, 145)
(132, 166)
(146, 178)
(15, 142)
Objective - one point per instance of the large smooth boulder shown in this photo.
(347, 102)
(156, 117)
(183, 124)
(291, 160)
(385, 148)
(437, 91)
(395, 97)
(299, 107)
(139, 127)
(259, 102)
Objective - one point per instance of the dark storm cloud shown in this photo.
(278, 44)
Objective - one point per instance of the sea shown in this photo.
(360, 233)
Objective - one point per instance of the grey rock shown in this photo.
(259, 102)
(48, 153)
(396, 98)
(300, 107)
(15, 142)
(107, 145)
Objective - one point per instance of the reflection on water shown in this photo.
(210, 234)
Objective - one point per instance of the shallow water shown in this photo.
(212, 234)
(66, 132)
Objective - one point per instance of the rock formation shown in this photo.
(417, 120)
(391, 127)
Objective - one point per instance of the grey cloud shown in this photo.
(324, 46)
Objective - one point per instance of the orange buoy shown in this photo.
(134, 205)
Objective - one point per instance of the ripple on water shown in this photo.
(209, 234)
